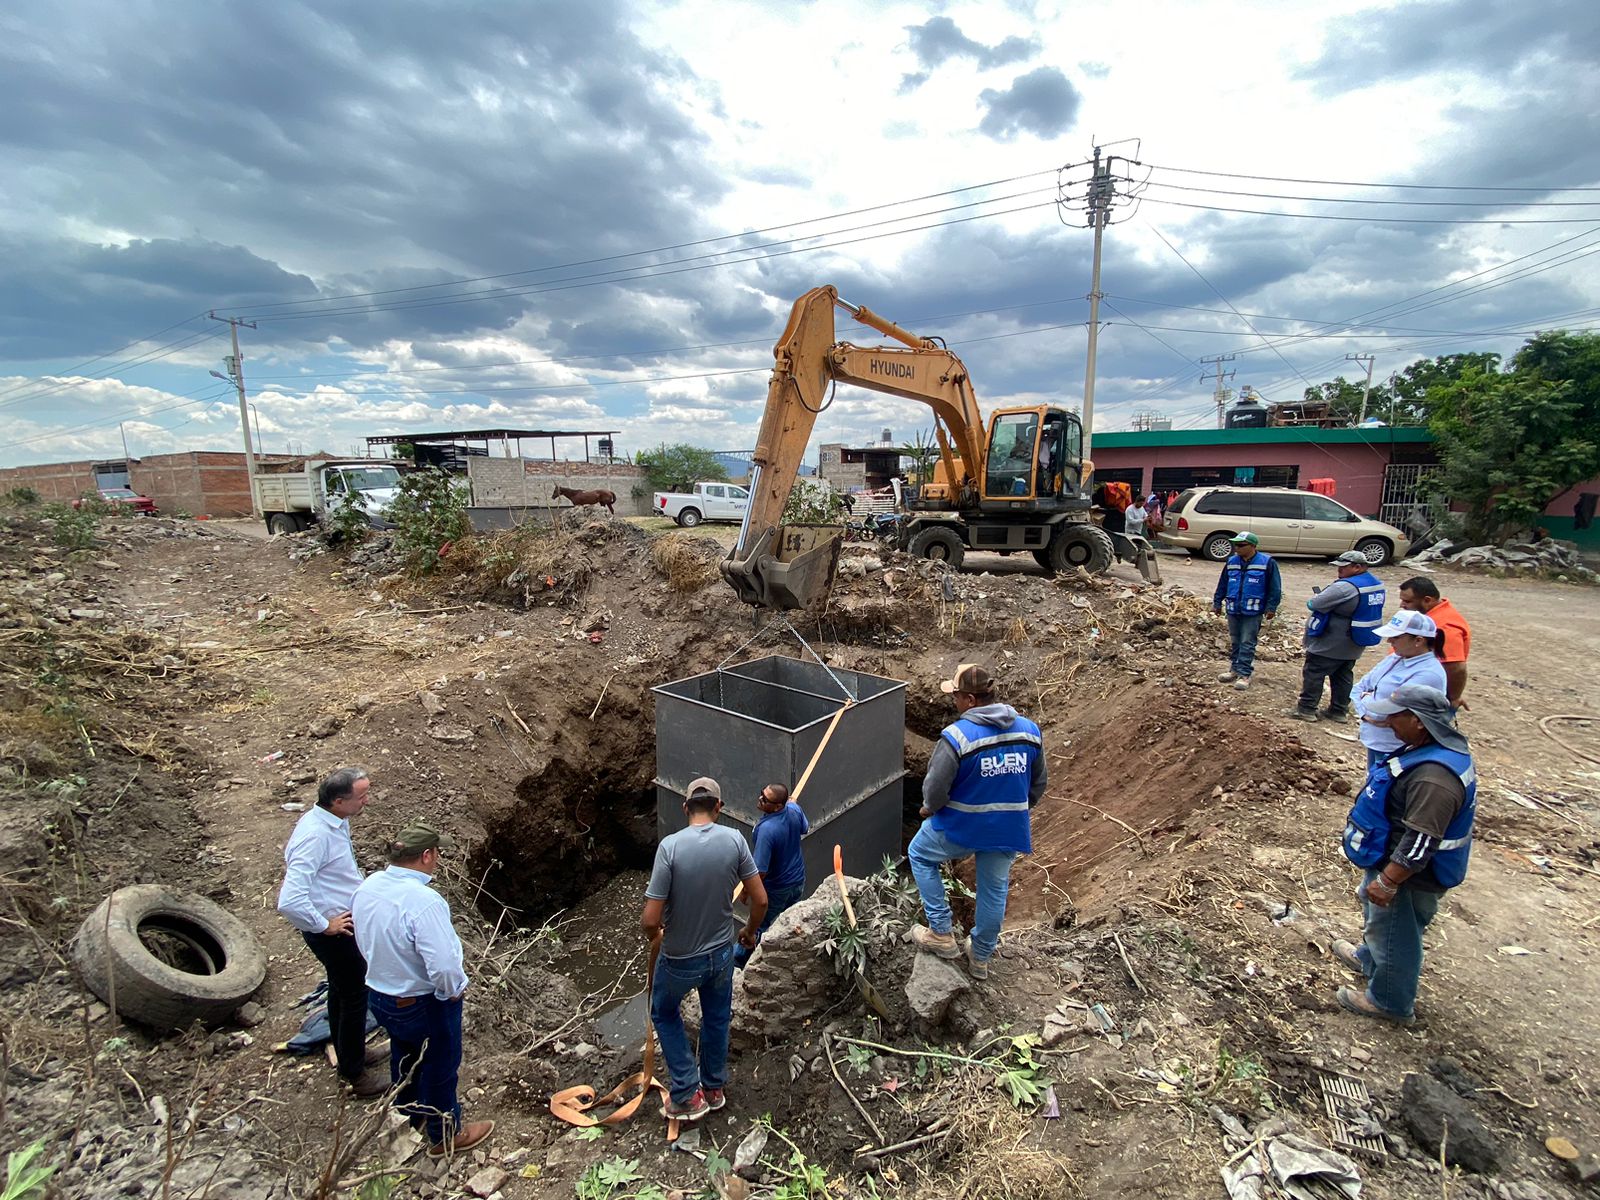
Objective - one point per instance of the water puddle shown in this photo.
(603, 953)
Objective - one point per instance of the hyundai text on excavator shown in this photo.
(1020, 485)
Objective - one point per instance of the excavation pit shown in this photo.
(761, 722)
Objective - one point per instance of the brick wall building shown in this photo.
(211, 483)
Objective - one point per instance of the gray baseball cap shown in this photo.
(1351, 558)
(1430, 706)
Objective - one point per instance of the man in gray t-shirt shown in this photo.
(690, 894)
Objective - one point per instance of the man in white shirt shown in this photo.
(320, 877)
(415, 981)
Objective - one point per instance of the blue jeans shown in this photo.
(929, 851)
(712, 976)
(778, 899)
(1391, 947)
(1242, 632)
(428, 1029)
(1375, 757)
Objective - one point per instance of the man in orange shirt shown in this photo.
(1421, 594)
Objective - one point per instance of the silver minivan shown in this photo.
(1287, 521)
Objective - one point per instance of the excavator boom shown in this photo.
(781, 567)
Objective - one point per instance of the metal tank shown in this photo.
(760, 722)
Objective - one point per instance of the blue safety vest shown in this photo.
(1364, 618)
(1366, 831)
(988, 804)
(1245, 592)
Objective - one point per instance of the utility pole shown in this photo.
(1366, 391)
(1221, 393)
(1102, 190)
(235, 367)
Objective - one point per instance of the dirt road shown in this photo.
(1181, 817)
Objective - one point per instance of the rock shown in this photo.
(787, 966)
(449, 733)
(431, 703)
(87, 614)
(324, 726)
(363, 703)
(1056, 1031)
(569, 1150)
(584, 1050)
(488, 1181)
(250, 1015)
(1430, 1106)
(934, 983)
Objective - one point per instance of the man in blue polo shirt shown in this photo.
(1250, 589)
(777, 838)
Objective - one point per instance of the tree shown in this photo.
(1510, 443)
(923, 451)
(1403, 398)
(679, 467)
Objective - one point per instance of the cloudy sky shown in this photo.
(595, 215)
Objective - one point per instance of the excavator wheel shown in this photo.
(1042, 557)
(940, 544)
(1081, 545)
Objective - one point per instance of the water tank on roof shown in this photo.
(887, 437)
(1246, 413)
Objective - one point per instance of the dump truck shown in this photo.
(296, 495)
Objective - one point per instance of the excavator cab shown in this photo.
(1034, 460)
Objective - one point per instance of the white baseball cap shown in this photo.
(1408, 621)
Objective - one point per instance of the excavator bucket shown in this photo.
(789, 566)
(1145, 560)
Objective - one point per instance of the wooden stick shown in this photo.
(1128, 966)
(909, 1143)
(602, 696)
(1137, 836)
(827, 1050)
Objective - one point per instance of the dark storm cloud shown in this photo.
(939, 39)
(379, 147)
(1042, 102)
(1488, 36)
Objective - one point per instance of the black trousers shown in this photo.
(347, 997)
(1340, 674)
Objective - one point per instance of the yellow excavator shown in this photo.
(1022, 484)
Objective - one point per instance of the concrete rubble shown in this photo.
(1549, 555)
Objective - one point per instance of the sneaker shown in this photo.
(977, 967)
(1338, 718)
(1241, 683)
(1358, 1002)
(942, 944)
(696, 1107)
(1226, 677)
(1302, 714)
(715, 1098)
(1345, 952)
(473, 1133)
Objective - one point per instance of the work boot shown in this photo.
(1226, 677)
(1345, 952)
(473, 1133)
(977, 967)
(1357, 1001)
(942, 944)
(378, 1054)
(1342, 717)
(1303, 714)
(368, 1084)
(1241, 683)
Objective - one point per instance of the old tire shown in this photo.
(689, 518)
(1081, 545)
(1217, 548)
(939, 543)
(1375, 550)
(176, 957)
(281, 524)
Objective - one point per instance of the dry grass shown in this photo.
(688, 562)
(993, 1153)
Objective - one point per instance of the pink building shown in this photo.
(1376, 471)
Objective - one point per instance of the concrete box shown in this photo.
(760, 722)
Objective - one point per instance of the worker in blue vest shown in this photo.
(1250, 589)
(1345, 617)
(1410, 831)
(986, 771)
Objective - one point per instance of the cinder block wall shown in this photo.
(498, 481)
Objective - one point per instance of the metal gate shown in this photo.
(1404, 504)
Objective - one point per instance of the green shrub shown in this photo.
(429, 513)
(22, 495)
(75, 527)
(347, 521)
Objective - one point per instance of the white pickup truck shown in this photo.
(300, 493)
(708, 502)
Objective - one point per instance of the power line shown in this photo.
(1376, 219)
(1430, 187)
(1364, 200)
(64, 385)
(149, 337)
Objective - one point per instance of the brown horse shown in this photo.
(579, 499)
